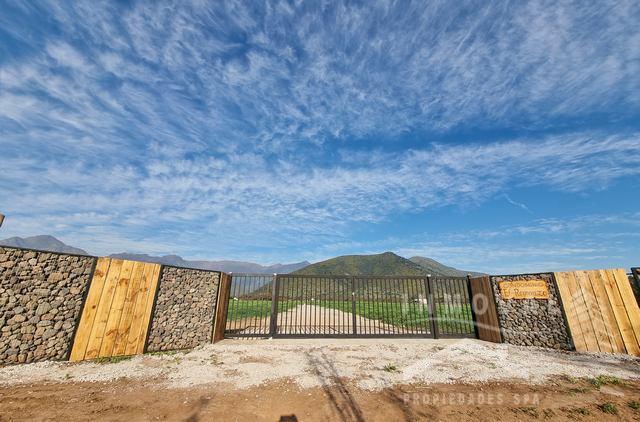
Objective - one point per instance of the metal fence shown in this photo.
(348, 306)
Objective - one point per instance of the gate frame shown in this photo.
(434, 331)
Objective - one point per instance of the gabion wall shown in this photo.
(532, 322)
(41, 298)
(184, 311)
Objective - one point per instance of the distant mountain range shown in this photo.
(226, 266)
(384, 264)
(43, 242)
(50, 243)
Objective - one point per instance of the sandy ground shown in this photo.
(320, 379)
(314, 319)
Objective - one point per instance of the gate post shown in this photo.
(222, 306)
(353, 304)
(473, 311)
(273, 321)
(432, 308)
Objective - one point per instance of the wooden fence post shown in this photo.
(222, 305)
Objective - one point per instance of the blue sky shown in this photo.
(492, 136)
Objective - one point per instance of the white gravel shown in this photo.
(316, 362)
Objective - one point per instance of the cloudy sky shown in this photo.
(492, 136)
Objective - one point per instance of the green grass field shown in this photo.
(412, 316)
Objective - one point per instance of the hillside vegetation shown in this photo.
(384, 264)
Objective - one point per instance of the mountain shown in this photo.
(434, 267)
(43, 242)
(384, 264)
(226, 266)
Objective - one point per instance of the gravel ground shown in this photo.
(369, 364)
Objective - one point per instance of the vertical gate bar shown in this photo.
(241, 303)
(353, 304)
(366, 304)
(385, 306)
(230, 313)
(417, 306)
(233, 293)
(307, 309)
(385, 301)
(371, 305)
(464, 328)
(366, 294)
(393, 305)
(473, 311)
(288, 291)
(452, 308)
(432, 308)
(300, 313)
(274, 306)
(318, 322)
(378, 306)
(417, 322)
(254, 304)
(284, 306)
(425, 309)
(303, 318)
(467, 306)
(412, 306)
(345, 313)
(456, 297)
(404, 289)
(463, 316)
(447, 297)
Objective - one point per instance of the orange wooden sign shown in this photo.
(524, 289)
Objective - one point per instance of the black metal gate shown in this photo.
(288, 305)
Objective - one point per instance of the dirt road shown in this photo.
(330, 380)
(315, 319)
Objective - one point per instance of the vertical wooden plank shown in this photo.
(582, 307)
(493, 311)
(626, 331)
(609, 319)
(629, 300)
(127, 311)
(488, 324)
(570, 310)
(138, 310)
(222, 306)
(89, 311)
(102, 313)
(117, 304)
(155, 276)
(597, 323)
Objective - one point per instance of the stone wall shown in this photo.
(184, 311)
(41, 298)
(532, 322)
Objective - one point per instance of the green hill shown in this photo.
(386, 263)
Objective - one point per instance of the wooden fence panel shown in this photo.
(116, 315)
(601, 310)
(484, 307)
